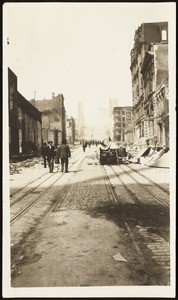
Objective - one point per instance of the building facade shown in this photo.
(122, 117)
(25, 123)
(113, 102)
(162, 114)
(149, 69)
(70, 130)
(53, 118)
(129, 138)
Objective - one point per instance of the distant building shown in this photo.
(113, 102)
(25, 129)
(129, 138)
(53, 118)
(122, 117)
(70, 130)
(149, 70)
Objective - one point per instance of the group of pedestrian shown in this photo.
(50, 154)
(89, 143)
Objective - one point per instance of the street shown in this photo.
(89, 149)
(94, 226)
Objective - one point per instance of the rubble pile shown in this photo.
(16, 167)
(152, 156)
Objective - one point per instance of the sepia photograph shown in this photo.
(89, 149)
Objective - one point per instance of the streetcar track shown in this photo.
(147, 271)
(31, 204)
(129, 192)
(152, 242)
(143, 187)
(109, 185)
(19, 190)
(151, 181)
(32, 189)
(111, 189)
(133, 195)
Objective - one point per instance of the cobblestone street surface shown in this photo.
(90, 238)
(87, 188)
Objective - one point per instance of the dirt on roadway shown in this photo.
(85, 241)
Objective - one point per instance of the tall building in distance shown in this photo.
(149, 71)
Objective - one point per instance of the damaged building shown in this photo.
(25, 124)
(149, 70)
(122, 117)
(70, 130)
(53, 118)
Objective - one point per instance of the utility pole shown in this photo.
(34, 94)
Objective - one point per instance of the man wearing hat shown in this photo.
(64, 154)
(50, 153)
(43, 153)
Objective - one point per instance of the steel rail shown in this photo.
(19, 190)
(154, 196)
(151, 181)
(108, 184)
(141, 258)
(31, 204)
(32, 189)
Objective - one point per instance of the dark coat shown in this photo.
(43, 151)
(50, 152)
(63, 151)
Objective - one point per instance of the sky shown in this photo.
(81, 50)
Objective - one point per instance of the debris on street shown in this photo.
(119, 257)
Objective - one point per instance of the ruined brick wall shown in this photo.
(161, 62)
(13, 113)
(24, 119)
(53, 118)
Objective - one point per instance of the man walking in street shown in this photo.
(84, 146)
(50, 156)
(43, 153)
(64, 154)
